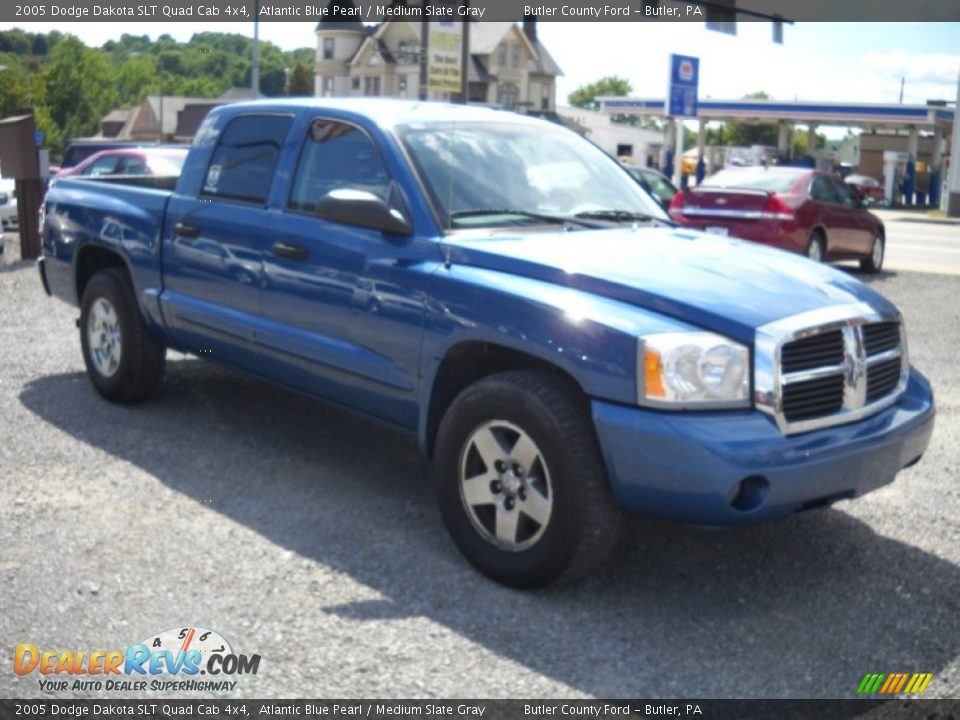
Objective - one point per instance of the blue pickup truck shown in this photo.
(498, 286)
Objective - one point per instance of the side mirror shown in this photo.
(362, 209)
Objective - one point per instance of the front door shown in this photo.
(343, 306)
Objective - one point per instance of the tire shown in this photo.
(873, 263)
(124, 360)
(555, 518)
(816, 247)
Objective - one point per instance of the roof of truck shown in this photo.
(389, 111)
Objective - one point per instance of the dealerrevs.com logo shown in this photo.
(170, 661)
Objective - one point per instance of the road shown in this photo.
(921, 244)
(311, 537)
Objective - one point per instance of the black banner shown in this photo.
(486, 709)
(481, 10)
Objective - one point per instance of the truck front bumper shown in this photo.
(731, 468)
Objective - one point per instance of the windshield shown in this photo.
(534, 169)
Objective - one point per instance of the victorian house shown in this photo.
(509, 67)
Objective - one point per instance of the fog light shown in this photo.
(751, 493)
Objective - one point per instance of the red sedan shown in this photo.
(869, 187)
(794, 209)
(161, 161)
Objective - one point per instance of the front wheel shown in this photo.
(520, 480)
(124, 361)
(873, 263)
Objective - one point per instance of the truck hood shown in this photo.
(721, 284)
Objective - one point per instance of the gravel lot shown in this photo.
(311, 537)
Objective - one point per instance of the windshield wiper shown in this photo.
(521, 214)
(623, 216)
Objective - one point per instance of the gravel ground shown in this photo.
(310, 537)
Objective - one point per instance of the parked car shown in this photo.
(498, 287)
(794, 209)
(870, 188)
(9, 220)
(655, 183)
(163, 161)
(79, 150)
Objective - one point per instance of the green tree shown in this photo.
(137, 77)
(76, 89)
(13, 90)
(745, 134)
(301, 81)
(586, 96)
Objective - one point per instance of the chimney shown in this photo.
(530, 28)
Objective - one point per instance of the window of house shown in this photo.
(327, 89)
(515, 56)
(355, 83)
(408, 52)
(502, 55)
(371, 86)
(328, 44)
(402, 85)
(336, 156)
(507, 95)
(545, 97)
(242, 165)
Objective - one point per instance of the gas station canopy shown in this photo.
(871, 115)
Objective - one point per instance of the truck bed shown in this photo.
(124, 215)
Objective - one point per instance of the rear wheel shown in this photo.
(816, 247)
(520, 480)
(124, 361)
(873, 263)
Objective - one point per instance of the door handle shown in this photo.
(186, 230)
(290, 251)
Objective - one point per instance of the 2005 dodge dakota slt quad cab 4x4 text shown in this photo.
(500, 287)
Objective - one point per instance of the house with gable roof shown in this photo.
(509, 67)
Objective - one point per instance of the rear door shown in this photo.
(860, 226)
(214, 243)
(831, 215)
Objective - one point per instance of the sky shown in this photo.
(851, 62)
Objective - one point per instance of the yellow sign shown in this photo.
(444, 67)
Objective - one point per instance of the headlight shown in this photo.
(696, 370)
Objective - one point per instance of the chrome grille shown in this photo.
(813, 398)
(816, 351)
(829, 367)
(882, 378)
(879, 337)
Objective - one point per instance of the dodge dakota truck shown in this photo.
(499, 287)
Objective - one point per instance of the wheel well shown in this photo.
(92, 260)
(468, 362)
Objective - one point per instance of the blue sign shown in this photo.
(38, 138)
(684, 81)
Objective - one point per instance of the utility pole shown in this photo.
(424, 47)
(255, 73)
(953, 179)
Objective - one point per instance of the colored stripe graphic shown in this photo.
(894, 683)
(891, 681)
(870, 683)
(922, 684)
